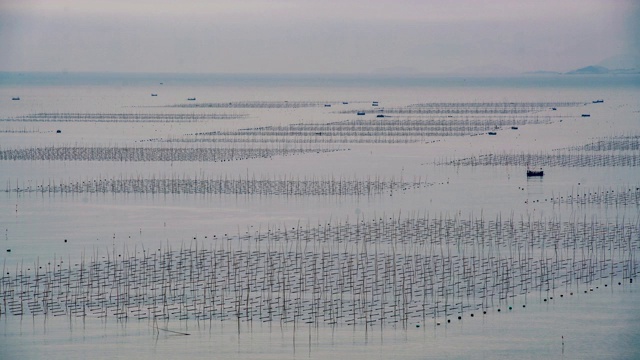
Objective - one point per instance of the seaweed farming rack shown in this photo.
(367, 273)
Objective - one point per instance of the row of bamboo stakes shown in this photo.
(223, 185)
(387, 270)
(542, 159)
(232, 152)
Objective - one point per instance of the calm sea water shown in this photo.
(37, 227)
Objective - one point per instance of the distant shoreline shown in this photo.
(10, 79)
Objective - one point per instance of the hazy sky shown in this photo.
(314, 36)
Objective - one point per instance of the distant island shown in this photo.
(614, 65)
(595, 69)
(587, 70)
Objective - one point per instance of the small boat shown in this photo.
(586, 115)
(514, 128)
(380, 115)
(345, 102)
(327, 105)
(492, 133)
(375, 103)
(154, 94)
(599, 101)
(531, 173)
(15, 98)
(554, 109)
(58, 131)
(191, 99)
(360, 112)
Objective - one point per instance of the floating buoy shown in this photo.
(523, 305)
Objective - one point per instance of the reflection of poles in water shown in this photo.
(563, 344)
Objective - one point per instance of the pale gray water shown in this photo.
(599, 324)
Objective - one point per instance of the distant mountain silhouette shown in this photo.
(592, 69)
(619, 64)
(597, 70)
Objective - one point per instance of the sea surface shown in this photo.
(54, 210)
